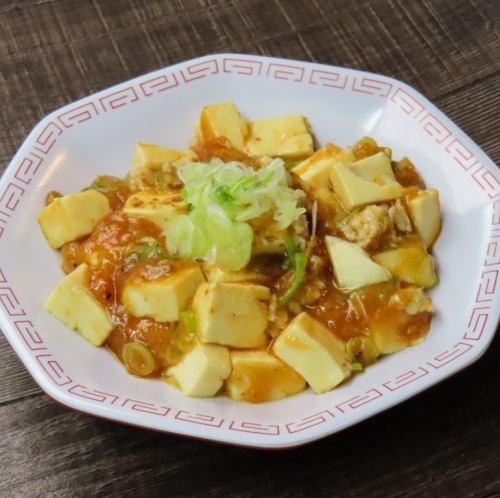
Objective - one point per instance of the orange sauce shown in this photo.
(406, 173)
(364, 310)
(112, 253)
(117, 250)
(262, 384)
(222, 148)
(366, 147)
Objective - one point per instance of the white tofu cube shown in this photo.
(223, 120)
(152, 156)
(258, 376)
(314, 352)
(72, 303)
(216, 274)
(398, 329)
(425, 213)
(285, 136)
(72, 216)
(158, 208)
(162, 298)
(365, 181)
(376, 168)
(202, 371)
(314, 173)
(410, 264)
(232, 314)
(352, 266)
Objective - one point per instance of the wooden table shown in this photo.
(445, 442)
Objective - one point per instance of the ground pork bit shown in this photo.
(300, 231)
(412, 300)
(311, 292)
(367, 227)
(273, 303)
(164, 178)
(316, 264)
(141, 179)
(399, 217)
(295, 307)
(279, 323)
(170, 178)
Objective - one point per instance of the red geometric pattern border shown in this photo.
(92, 394)
(254, 428)
(334, 78)
(199, 418)
(146, 407)
(371, 86)
(405, 378)
(360, 400)
(310, 421)
(242, 66)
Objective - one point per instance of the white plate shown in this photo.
(68, 148)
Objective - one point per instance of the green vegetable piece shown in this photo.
(221, 198)
(151, 249)
(291, 250)
(291, 247)
(187, 319)
(300, 264)
(222, 194)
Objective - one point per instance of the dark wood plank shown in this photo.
(16, 382)
(444, 443)
(475, 109)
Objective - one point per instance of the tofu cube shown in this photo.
(364, 182)
(258, 376)
(313, 174)
(285, 136)
(158, 208)
(314, 352)
(376, 168)
(216, 274)
(72, 216)
(162, 298)
(397, 330)
(232, 314)
(387, 334)
(223, 120)
(152, 156)
(352, 266)
(72, 303)
(202, 371)
(425, 213)
(410, 264)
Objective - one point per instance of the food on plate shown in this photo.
(250, 263)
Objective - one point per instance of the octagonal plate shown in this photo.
(97, 134)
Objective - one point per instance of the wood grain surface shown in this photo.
(445, 442)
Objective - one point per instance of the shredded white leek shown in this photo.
(222, 198)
